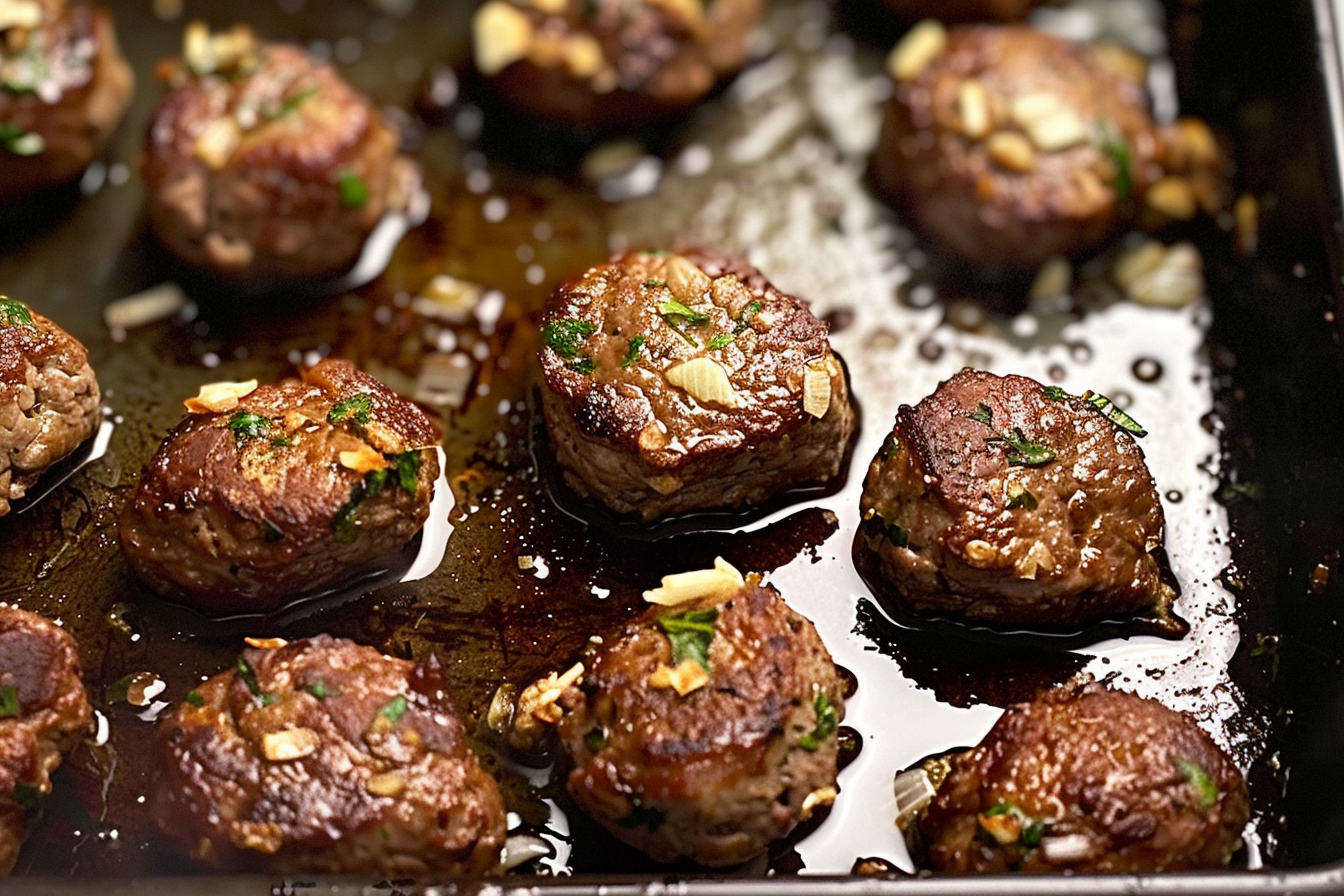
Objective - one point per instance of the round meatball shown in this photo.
(706, 730)
(265, 492)
(64, 87)
(1000, 500)
(1088, 780)
(262, 163)
(325, 756)
(1008, 146)
(687, 382)
(963, 10)
(43, 714)
(48, 398)
(610, 63)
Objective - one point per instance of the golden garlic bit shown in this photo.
(682, 587)
(537, 709)
(216, 397)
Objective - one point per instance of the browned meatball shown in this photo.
(1088, 780)
(706, 730)
(262, 163)
(48, 397)
(63, 87)
(43, 714)
(1001, 500)
(1008, 146)
(265, 492)
(325, 756)
(610, 63)
(688, 382)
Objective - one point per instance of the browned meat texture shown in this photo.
(610, 63)
(1011, 146)
(43, 714)
(65, 87)
(963, 10)
(325, 756)
(965, 517)
(300, 485)
(719, 773)
(262, 163)
(655, 410)
(1088, 780)
(48, 397)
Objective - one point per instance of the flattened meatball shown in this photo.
(707, 729)
(610, 63)
(1088, 780)
(265, 492)
(63, 88)
(1008, 146)
(998, 499)
(262, 163)
(48, 398)
(43, 714)
(325, 756)
(688, 382)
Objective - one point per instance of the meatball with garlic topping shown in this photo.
(610, 63)
(683, 382)
(325, 756)
(262, 163)
(266, 492)
(1088, 780)
(999, 500)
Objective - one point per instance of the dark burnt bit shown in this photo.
(683, 382)
(284, 490)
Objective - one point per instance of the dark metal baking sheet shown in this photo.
(1247, 444)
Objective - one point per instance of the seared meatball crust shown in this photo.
(1010, 146)
(675, 383)
(965, 517)
(1088, 780)
(325, 756)
(43, 714)
(293, 488)
(48, 398)
(610, 63)
(717, 774)
(261, 163)
(64, 86)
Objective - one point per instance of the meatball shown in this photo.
(1000, 500)
(262, 163)
(325, 756)
(1008, 146)
(65, 87)
(1087, 780)
(264, 492)
(687, 382)
(48, 398)
(43, 714)
(610, 63)
(706, 729)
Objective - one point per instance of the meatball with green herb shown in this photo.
(324, 756)
(685, 382)
(264, 493)
(1087, 780)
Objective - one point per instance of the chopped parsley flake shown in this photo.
(408, 470)
(690, 633)
(20, 142)
(564, 336)
(354, 192)
(983, 415)
(29, 799)
(394, 709)
(673, 308)
(1204, 785)
(632, 349)
(292, 103)
(116, 691)
(654, 284)
(1018, 496)
(319, 689)
(595, 740)
(897, 536)
(827, 721)
(247, 425)
(1054, 393)
(1114, 414)
(1114, 146)
(357, 407)
(15, 314)
(249, 676)
(194, 698)
(1024, 453)
(748, 313)
(721, 340)
(9, 701)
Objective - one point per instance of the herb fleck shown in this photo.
(563, 337)
(247, 425)
(983, 415)
(1018, 496)
(1114, 414)
(292, 103)
(721, 340)
(690, 634)
(354, 192)
(1114, 145)
(319, 689)
(643, 816)
(673, 308)
(249, 676)
(408, 470)
(1032, 834)
(827, 720)
(194, 698)
(394, 709)
(595, 740)
(29, 799)
(1054, 393)
(744, 320)
(654, 284)
(897, 536)
(1022, 452)
(15, 314)
(1204, 785)
(116, 691)
(889, 446)
(632, 348)
(20, 142)
(9, 701)
(357, 407)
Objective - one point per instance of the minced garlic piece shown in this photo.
(686, 280)
(823, 796)
(817, 390)
(705, 380)
(265, 643)
(979, 551)
(292, 743)
(920, 46)
(363, 459)
(503, 35)
(537, 709)
(681, 587)
(217, 141)
(386, 784)
(216, 397)
(688, 676)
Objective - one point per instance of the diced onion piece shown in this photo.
(1057, 131)
(686, 280)
(823, 796)
(153, 304)
(216, 397)
(521, 849)
(916, 50)
(502, 36)
(913, 791)
(217, 141)
(979, 551)
(704, 380)
(1173, 197)
(687, 676)
(265, 643)
(1037, 557)
(448, 298)
(363, 459)
(681, 587)
(386, 784)
(816, 390)
(1066, 849)
(290, 744)
(973, 109)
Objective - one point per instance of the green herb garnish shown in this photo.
(116, 691)
(643, 816)
(1018, 496)
(983, 415)
(595, 740)
(357, 407)
(194, 698)
(653, 253)
(292, 103)
(563, 337)
(1054, 393)
(690, 634)
(1032, 834)
(744, 320)
(827, 720)
(319, 689)
(1114, 414)
(15, 314)
(20, 142)
(1024, 453)
(673, 308)
(29, 799)
(896, 535)
(1114, 145)
(269, 699)
(247, 425)
(9, 702)
(343, 523)
(354, 192)
(721, 340)
(632, 348)
(1200, 780)
(249, 676)
(282, 442)
(394, 709)
(1002, 808)
(654, 284)
(889, 446)
(408, 470)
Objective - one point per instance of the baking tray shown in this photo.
(1238, 391)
